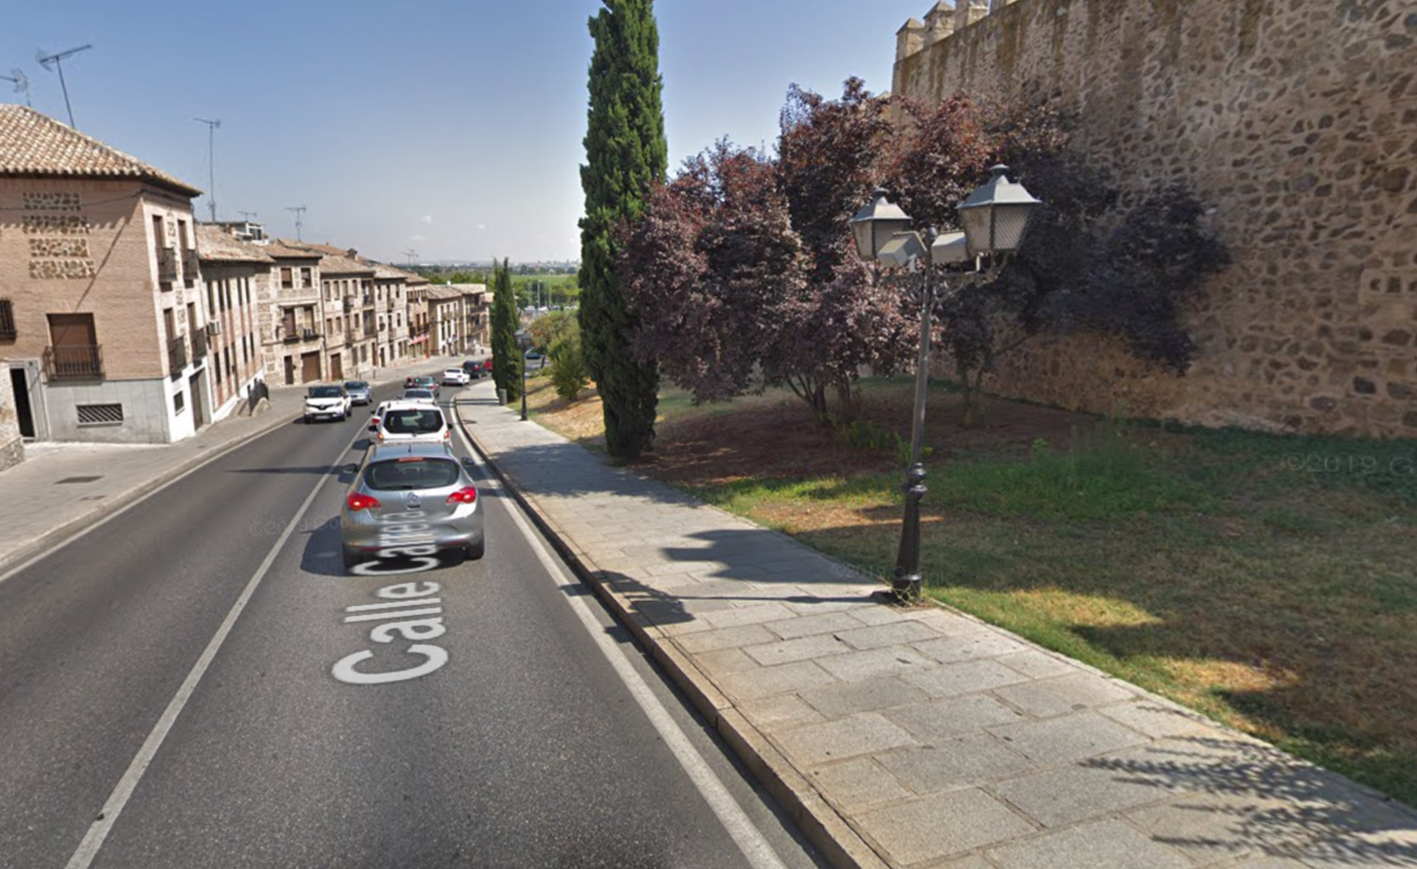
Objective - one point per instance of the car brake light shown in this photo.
(463, 496)
(447, 434)
(357, 501)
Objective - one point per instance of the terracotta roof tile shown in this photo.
(35, 144)
(281, 250)
(215, 244)
(343, 265)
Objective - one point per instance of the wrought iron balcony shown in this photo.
(74, 362)
(177, 354)
(199, 344)
(167, 264)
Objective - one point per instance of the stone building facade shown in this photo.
(98, 276)
(1296, 122)
(233, 273)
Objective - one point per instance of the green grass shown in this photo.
(1269, 582)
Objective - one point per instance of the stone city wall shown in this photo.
(1296, 121)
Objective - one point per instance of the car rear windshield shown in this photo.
(404, 474)
(356, 384)
(324, 392)
(418, 393)
(413, 421)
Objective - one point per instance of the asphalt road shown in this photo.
(168, 699)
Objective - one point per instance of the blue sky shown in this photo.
(453, 129)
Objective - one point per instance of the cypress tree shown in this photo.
(506, 357)
(626, 155)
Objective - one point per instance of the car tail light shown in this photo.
(463, 496)
(447, 434)
(357, 501)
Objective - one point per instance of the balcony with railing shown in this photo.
(177, 354)
(74, 362)
(190, 265)
(199, 344)
(167, 264)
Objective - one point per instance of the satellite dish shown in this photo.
(44, 58)
(21, 82)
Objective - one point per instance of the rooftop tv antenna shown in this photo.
(22, 83)
(299, 210)
(412, 255)
(212, 127)
(249, 215)
(58, 58)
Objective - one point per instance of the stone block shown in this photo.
(837, 701)
(857, 736)
(1108, 844)
(1068, 737)
(950, 680)
(941, 826)
(953, 717)
(979, 759)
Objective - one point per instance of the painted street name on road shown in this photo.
(410, 613)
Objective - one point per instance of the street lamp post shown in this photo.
(994, 219)
(523, 344)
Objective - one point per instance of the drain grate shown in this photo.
(78, 480)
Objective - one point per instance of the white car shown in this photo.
(424, 395)
(409, 422)
(455, 377)
(327, 401)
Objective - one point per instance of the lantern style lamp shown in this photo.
(995, 216)
(873, 226)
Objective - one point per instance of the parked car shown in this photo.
(410, 422)
(358, 391)
(406, 495)
(474, 369)
(423, 395)
(326, 401)
(455, 377)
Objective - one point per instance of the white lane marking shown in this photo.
(220, 452)
(88, 848)
(741, 829)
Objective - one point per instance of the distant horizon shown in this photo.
(389, 137)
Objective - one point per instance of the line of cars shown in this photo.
(411, 499)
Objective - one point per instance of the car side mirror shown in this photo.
(350, 468)
(373, 426)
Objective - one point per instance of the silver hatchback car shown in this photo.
(410, 501)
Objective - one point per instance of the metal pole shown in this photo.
(211, 169)
(905, 578)
(59, 65)
(523, 386)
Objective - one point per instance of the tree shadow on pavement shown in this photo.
(1272, 802)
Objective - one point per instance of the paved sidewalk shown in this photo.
(62, 488)
(922, 737)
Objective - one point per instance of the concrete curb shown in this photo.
(829, 832)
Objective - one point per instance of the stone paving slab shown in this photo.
(922, 738)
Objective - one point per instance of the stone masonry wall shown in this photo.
(1296, 120)
(12, 445)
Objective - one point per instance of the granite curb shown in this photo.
(1300, 813)
(828, 831)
